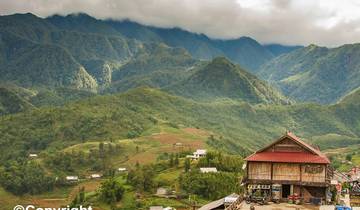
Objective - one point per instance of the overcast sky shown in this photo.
(322, 22)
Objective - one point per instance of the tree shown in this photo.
(101, 150)
(187, 164)
(171, 160)
(176, 161)
(348, 157)
(111, 191)
(142, 178)
(82, 195)
(26, 177)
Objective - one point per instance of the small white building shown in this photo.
(33, 155)
(178, 144)
(72, 178)
(156, 208)
(161, 208)
(122, 170)
(161, 191)
(95, 176)
(198, 154)
(208, 170)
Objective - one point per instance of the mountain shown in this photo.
(158, 65)
(35, 52)
(33, 64)
(139, 110)
(12, 102)
(351, 98)
(316, 74)
(245, 51)
(278, 49)
(82, 22)
(222, 79)
(79, 51)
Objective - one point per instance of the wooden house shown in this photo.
(287, 167)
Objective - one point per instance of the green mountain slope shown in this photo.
(156, 66)
(33, 64)
(12, 102)
(278, 49)
(315, 73)
(222, 79)
(107, 117)
(245, 51)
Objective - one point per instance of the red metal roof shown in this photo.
(288, 157)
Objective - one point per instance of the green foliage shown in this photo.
(11, 102)
(187, 165)
(210, 185)
(26, 177)
(222, 162)
(142, 177)
(105, 117)
(348, 157)
(111, 191)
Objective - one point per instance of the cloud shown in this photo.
(323, 22)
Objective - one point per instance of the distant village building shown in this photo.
(72, 178)
(289, 167)
(156, 208)
(122, 170)
(95, 176)
(198, 154)
(178, 144)
(161, 208)
(161, 191)
(33, 155)
(354, 174)
(208, 170)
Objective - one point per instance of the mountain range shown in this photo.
(316, 74)
(76, 78)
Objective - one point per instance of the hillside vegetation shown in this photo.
(130, 114)
(222, 79)
(316, 74)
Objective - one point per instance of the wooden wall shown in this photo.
(286, 145)
(313, 173)
(259, 171)
(286, 171)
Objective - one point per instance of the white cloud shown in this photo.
(323, 22)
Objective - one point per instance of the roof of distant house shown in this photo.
(200, 151)
(208, 170)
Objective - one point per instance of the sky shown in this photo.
(292, 22)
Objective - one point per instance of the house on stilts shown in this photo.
(289, 167)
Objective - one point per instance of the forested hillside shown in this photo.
(316, 74)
